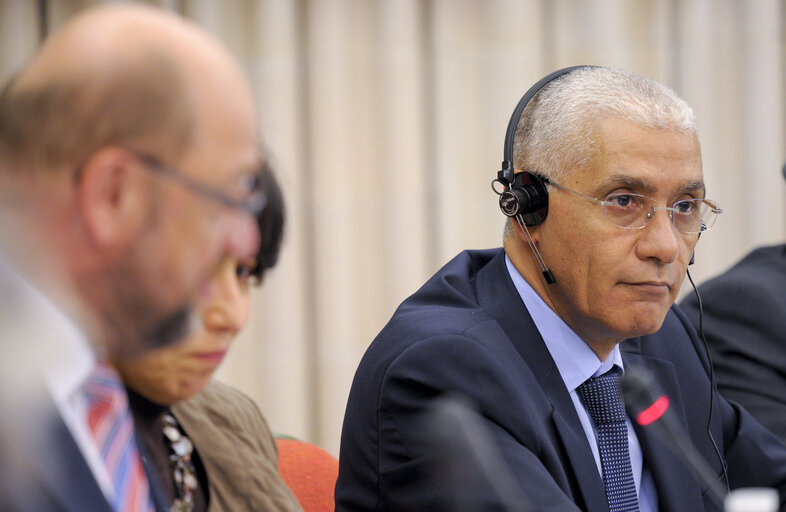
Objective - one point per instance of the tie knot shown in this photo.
(103, 383)
(602, 396)
(105, 394)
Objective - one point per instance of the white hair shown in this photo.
(556, 131)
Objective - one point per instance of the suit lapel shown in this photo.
(60, 467)
(574, 440)
(675, 482)
(498, 296)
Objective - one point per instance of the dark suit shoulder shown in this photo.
(453, 286)
(445, 305)
(761, 273)
(744, 321)
(744, 309)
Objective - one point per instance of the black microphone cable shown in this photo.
(712, 383)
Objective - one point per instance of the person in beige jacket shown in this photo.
(208, 443)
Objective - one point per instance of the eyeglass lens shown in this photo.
(633, 211)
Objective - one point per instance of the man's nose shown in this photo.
(227, 302)
(659, 240)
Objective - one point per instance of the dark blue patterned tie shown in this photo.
(603, 399)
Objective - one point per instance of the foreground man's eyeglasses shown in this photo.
(254, 205)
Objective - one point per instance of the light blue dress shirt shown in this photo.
(576, 363)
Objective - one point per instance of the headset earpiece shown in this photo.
(526, 196)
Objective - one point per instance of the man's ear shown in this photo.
(111, 197)
(519, 233)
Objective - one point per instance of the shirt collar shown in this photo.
(66, 372)
(575, 360)
(47, 339)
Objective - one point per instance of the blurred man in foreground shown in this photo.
(128, 156)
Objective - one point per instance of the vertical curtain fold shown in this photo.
(386, 119)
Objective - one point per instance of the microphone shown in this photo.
(524, 199)
(547, 275)
(649, 407)
(467, 462)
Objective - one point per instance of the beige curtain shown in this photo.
(387, 120)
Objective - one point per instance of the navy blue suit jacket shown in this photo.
(42, 468)
(467, 331)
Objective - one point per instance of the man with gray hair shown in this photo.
(128, 164)
(602, 183)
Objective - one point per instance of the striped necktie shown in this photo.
(602, 397)
(112, 426)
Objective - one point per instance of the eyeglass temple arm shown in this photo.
(577, 193)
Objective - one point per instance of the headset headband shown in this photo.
(506, 174)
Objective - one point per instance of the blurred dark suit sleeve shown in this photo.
(745, 326)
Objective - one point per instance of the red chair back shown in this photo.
(310, 472)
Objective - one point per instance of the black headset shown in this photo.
(524, 195)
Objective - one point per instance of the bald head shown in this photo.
(117, 75)
(128, 148)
